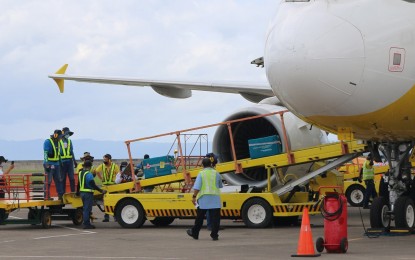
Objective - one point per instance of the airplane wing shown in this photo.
(173, 89)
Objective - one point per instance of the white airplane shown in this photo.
(346, 66)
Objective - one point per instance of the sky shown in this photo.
(177, 40)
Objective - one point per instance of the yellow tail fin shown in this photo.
(60, 82)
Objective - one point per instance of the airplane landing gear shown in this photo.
(399, 206)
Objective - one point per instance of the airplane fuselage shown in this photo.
(346, 64)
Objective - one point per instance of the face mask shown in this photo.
(66, 136)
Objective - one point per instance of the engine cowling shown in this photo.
(299, 135)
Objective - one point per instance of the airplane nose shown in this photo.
(312, 54)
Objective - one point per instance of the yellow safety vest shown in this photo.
(368, 173)
(106, 180)
(55, 157)
(208, 183)
(81, 179)
(66, 153)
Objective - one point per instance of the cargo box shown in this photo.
(265, 146)
(158, 166)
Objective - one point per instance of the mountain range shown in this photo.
(33, 149)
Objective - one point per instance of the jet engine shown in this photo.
(299, 135)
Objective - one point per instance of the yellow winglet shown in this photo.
(60, 82)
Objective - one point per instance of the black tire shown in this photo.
(130, 214)
(162, 221)
(379, 217)
(344, 245)
(3, 215)
(31, 215)
(46, 219)
(404, 212)
(355, 194)
(320, 244)
(77, 216)
(257, 213)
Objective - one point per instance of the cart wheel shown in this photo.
(31, 215)
(130, 214)
(320, 244)
(46, 219)
(77, 216)
(256, 213)
(355, 194)
(344, 245)
(3, 215)
(162, 221)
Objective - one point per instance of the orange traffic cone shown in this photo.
(305, 242)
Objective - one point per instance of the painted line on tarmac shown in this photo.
(67, 235)
(90, 257)
(7, 241)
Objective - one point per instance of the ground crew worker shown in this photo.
(52, 162)
(125, 174)
(368, 173)
(107, 172)
(87, 156)
(86, 187)
(206, 197)
(3, 174)
(68, 159)
(214, 160)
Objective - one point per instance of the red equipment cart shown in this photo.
(334, 211)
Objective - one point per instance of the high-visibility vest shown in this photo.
(66, 153)
(105, 178)
(81, 179)
(208, 183)
(368, 173)
(56, 151)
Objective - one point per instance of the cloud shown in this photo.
(184, 40)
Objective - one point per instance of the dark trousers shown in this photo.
(87, 201)
(55, 174)
(370, 192)
(68, 171)
(214, 215)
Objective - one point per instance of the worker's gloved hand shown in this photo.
(75, 164)
(103, 191)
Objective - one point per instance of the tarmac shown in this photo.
(110, 241)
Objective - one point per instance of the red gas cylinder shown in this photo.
(334, 211)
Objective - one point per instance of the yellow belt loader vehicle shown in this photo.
(281, 199)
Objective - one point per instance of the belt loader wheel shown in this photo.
(77, 216)
(379, 217)
(46, 219)
(355, 194)
(130, 214)
(404, 212)
(256, 213)
(162, 221)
